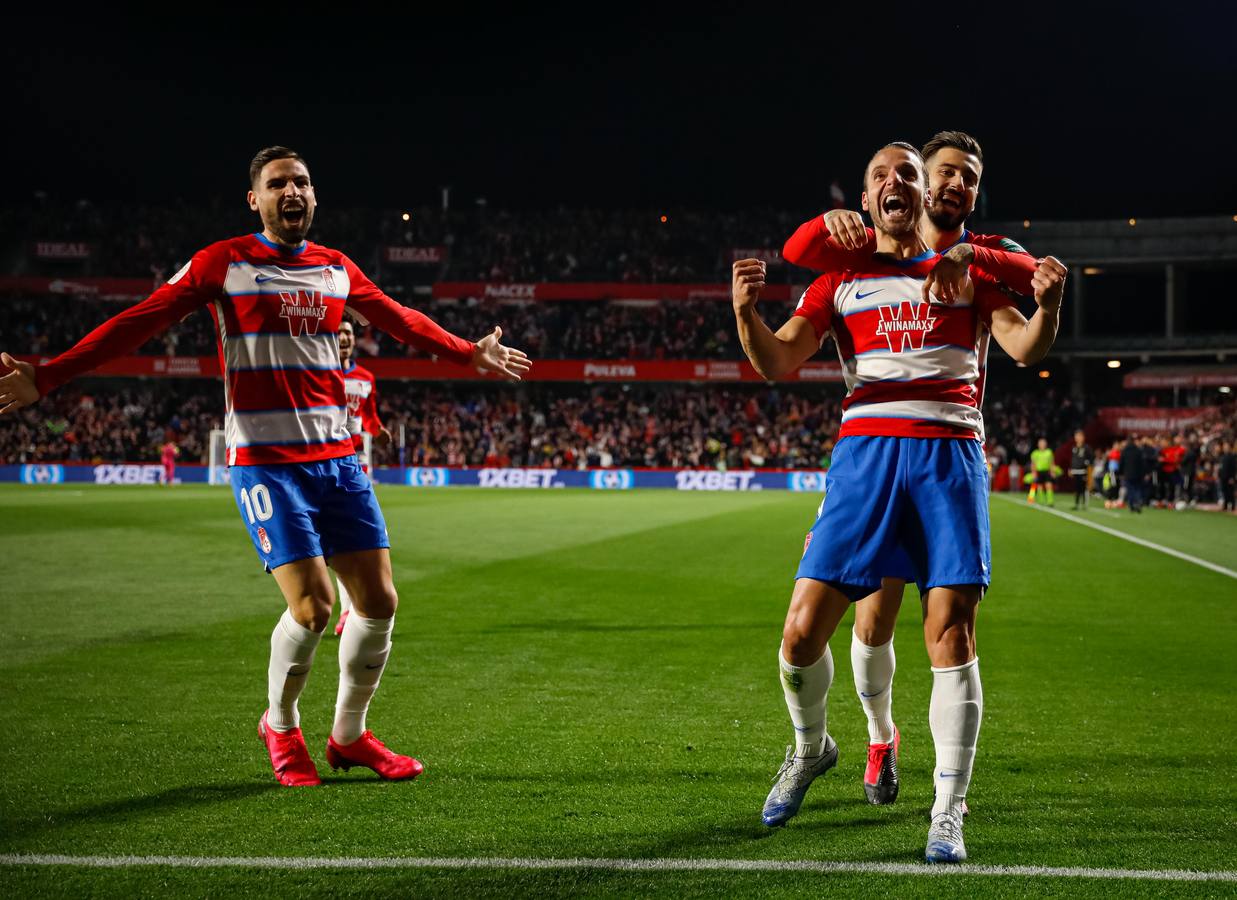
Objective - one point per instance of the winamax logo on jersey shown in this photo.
(304, 311)
(906, 327)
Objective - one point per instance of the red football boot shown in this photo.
(289, 756)
(339, 626)
(370, 752)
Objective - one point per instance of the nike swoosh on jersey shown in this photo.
(258, 279)
(859, 296)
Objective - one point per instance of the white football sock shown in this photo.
(345, 599)
(955, 712)
(874, 668)
(292, 655)
(807, 691)
(363, 650)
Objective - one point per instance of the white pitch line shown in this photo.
(1125, 537)
(615, 865)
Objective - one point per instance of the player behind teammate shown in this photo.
(277, 301)
(1081, 458)
(839, 238)
(362, 392)
(1042, 463)
(908, 479)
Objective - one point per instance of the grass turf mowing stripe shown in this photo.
(1125, 537)
(623, 865)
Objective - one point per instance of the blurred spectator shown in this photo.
(679, 329)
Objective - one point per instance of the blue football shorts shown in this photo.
(301, 510)
(896, 507)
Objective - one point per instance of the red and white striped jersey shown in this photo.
(362, 392)
(912, 369)
(277, 311)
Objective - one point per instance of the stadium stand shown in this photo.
(1140, 293)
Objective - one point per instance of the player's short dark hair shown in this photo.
(959, 140)
(270, 154)
(901, 145)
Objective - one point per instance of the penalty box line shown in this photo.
(613, 865)
(1142, 542)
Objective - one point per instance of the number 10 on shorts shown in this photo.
(257, 503)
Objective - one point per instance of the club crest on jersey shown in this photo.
(304, 311)
(263, 540)
(329, 279)
(905, 326)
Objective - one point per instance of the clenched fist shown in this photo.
(1049, 283)
(746, 284)
(847, 228)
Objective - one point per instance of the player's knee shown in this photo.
(379, 602)
(953, 645)
(312, 612)
(800, 645)
(873, 632)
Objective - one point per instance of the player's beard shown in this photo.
(291, 233)
(898, 229)
(946, 219)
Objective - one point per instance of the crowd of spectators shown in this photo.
(656, 426)
(1195, 466)
(602, 426)
(478, 243)
(114, 421)
(1016, 420)
(565, 426)
(678, 329)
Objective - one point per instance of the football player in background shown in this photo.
(362, 391)
(168, 454)
(277, 301)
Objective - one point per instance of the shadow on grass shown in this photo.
(739, 837)
(127, 809)
(583, 626)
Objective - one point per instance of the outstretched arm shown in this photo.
(772, 354)
(191, 287)
(419, 330)
(17, 389)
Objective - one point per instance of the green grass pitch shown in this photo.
(590, 674)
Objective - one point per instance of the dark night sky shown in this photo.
(1080, 115)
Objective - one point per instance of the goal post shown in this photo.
(217, 472)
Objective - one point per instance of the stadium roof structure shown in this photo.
(1131, 241)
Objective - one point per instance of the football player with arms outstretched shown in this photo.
(277, 301)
